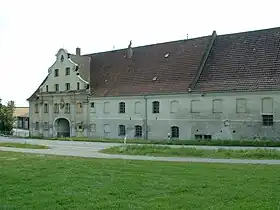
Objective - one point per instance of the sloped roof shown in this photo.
(159, 68)
(21, 112)
(247, 61)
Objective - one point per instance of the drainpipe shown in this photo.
(146, 118)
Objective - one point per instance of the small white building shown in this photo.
(212, 87)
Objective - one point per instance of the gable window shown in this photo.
(67, 86)
(155, 106)
(47, 88)
(56, 87)
(174, 132)
(56, 72)
(267, 120)
(67, 108)
(61, 58)
(56, 108)
(79, 107)
(138, 131)
(46, 108)
(37, 126)
(36, 108)
(78, 86)
(121, 130)
(67, 71)
(121, 107)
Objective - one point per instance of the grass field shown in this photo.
(19, 145)
(31, 181)
(166, 151)
(254, 143)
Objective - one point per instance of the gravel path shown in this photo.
(91, 150)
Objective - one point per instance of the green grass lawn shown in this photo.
(254, 143)
(20, 145)
(166, 151)
(31, 181)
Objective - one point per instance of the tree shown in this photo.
(7, 118)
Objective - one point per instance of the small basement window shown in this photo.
(267, 120)
(197, 136)
(207, 137)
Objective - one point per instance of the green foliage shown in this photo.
(166, 151)
(7, 118)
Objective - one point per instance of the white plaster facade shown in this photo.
(211, 115)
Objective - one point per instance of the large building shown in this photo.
(212, 87)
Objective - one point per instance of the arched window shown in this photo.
(121, 107)
(138, 131)
(155, 106)
(175, 132)
(122, 130)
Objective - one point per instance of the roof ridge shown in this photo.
(251, 31)
(203, 61)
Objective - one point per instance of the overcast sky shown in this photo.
(31, 32)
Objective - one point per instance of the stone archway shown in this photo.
(62, 127)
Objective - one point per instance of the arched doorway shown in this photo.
(62, 127)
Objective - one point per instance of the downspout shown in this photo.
(146, 118)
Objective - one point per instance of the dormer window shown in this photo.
(56, 72)
(67, 71)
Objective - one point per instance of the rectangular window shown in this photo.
(217, 106)
(121, 107)
(106, 108)
(121, 130)
(138, 131)
(67, 71)
(46, 126)
(56, 72)
(92, 107)
(47, 88)
(78, 86)
(137, 107)
(67, 86)
(174, 105)
(267, 105)
(155, 107)
(267, 120)
(56, 108)
(67, 108)
(195, 106)
(56, 87)
(46, 108)
(79, 108)
(37, 126)
(106, 128)
(241, 105)
(36, 108)
(93, 127)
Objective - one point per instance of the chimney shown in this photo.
(78, 51)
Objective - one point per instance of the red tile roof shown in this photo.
(248, 61)
(160, 68)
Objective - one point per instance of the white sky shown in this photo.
(31, 32)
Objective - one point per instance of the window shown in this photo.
(36, 108)
(78, 86)
(92, 107)
(80, 127)
(56, 87)
(47, 88)
(174, 106)
(267, 105)
(46, 108)
(207, 137)
(46, 126)
(138, 131)
(195, 106)
(56, 72)
(67, 71)
(121, 130)
(106, 128)
(197, 136)
(155, 106)
(93, 127)
(217, 106)
(67, 108)
(137, 107)
(106, 108)
(121, 107)
(267, 120)
(174, 132)
(37, 126)
(79, 108)
(241, 105)
(61, 58)
(56, 108)
(67, 86)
